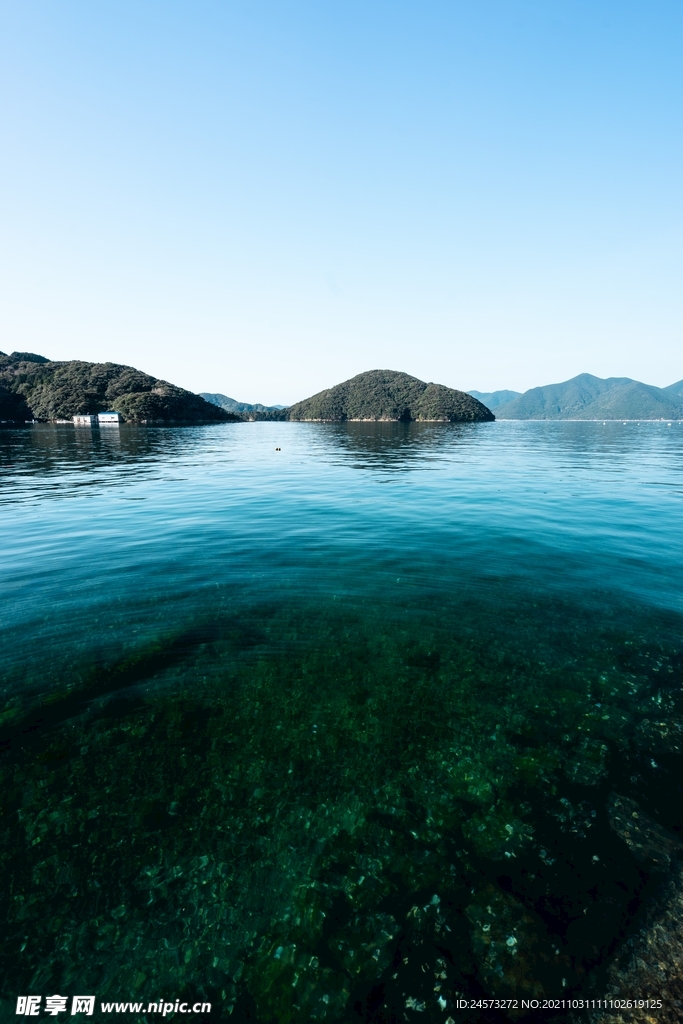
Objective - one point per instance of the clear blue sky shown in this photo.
(264, 198)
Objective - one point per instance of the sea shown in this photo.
(337, 722)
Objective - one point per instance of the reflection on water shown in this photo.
(396, 446)
(39, 454)
(339, 731)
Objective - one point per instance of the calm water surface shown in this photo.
(333, 732)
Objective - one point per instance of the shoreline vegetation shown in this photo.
(34, 388)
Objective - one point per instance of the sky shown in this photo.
(265, 198)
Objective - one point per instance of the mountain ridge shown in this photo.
(245, 410)
(593, 398)
(494, 399)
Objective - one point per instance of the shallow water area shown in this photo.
(328, 722)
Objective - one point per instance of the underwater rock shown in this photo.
(651, 964)
(588, 765)
(497, 833)
(505, 942)
(664, 733)
(650, 844)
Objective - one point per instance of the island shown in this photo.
(33, 387)
(374, 396)
(389, 395)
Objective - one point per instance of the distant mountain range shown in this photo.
(243, 409)
(588, 398)
(33, 387)
(494, 399)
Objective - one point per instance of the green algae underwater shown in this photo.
(338, 736)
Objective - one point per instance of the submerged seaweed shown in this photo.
(321, 832)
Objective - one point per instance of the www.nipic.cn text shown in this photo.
(30, 1006)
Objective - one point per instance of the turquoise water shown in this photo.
(329, 732)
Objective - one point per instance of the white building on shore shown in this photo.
(89, 419)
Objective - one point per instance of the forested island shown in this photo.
(375, 396)
(33, 387)
(390, 395)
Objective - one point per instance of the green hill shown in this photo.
(390, 395)
(593, 398)
(675, 390)
(33, 387)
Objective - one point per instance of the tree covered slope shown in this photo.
(33, 387)
(595, 398)
(390, 395)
